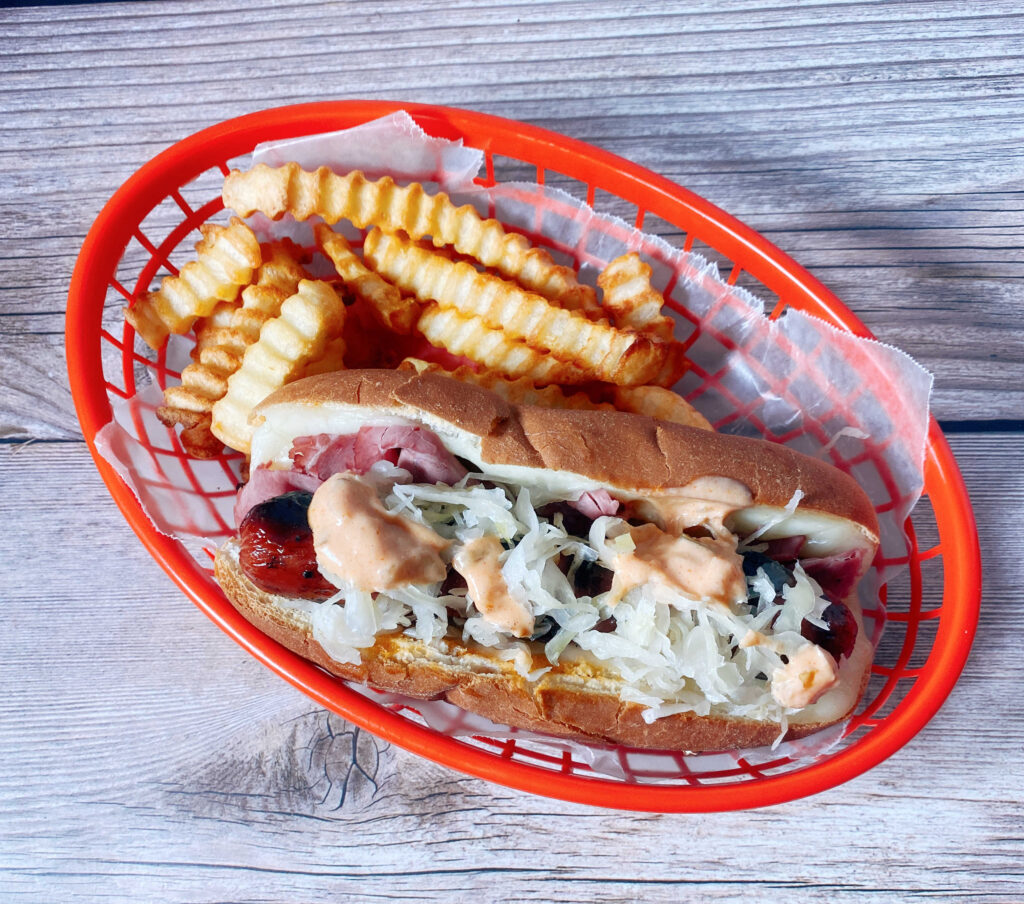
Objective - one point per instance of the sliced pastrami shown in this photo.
(595, 503)
(785, 549)
(415, 449)
(836, 574)
(421, 453)
(324, 454)
(315, 458)
(266, 483)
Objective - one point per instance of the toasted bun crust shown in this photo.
(618, 449)
(575, 700)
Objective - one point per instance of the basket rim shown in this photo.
(177, 165)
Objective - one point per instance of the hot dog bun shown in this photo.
(573, 448)
(570, 450)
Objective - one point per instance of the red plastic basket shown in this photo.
(932, 612)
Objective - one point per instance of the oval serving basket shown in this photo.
(932, 611)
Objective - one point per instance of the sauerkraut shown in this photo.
(675, 654)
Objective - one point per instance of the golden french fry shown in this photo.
(659, 403)
(290, 189)
(199, 442)
(468, 336)
(600, 350)
(309, 320)
(283, 263)
(654, 401)
(393, 311)
(207, 328)
(221, 341)
(196, 438)
(674, 365)
(170, 416)
(331, 360)
(522, 391)
(277, 278)
(227, 257)
(419, 366)
(633, 302)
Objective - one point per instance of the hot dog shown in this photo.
(596, 575)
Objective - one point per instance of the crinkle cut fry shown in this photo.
(654, 401)
(221, 341)
(660, 403)
(521, 391)
(222, 338)
(290, 189)
(207, 329)
(309, 320)
(331, 360)
(389, 307)
(600, 350)
(673, 367)
(227, 257)
(468, 336)
(633, 302)
(278, 277)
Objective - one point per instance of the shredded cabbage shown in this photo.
(675, 655)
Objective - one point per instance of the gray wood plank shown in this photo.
(148, 758)
(878, 143)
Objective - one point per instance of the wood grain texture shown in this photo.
(878, 143)
(147, 758)
(147, 755)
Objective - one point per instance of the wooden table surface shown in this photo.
(145, 757)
